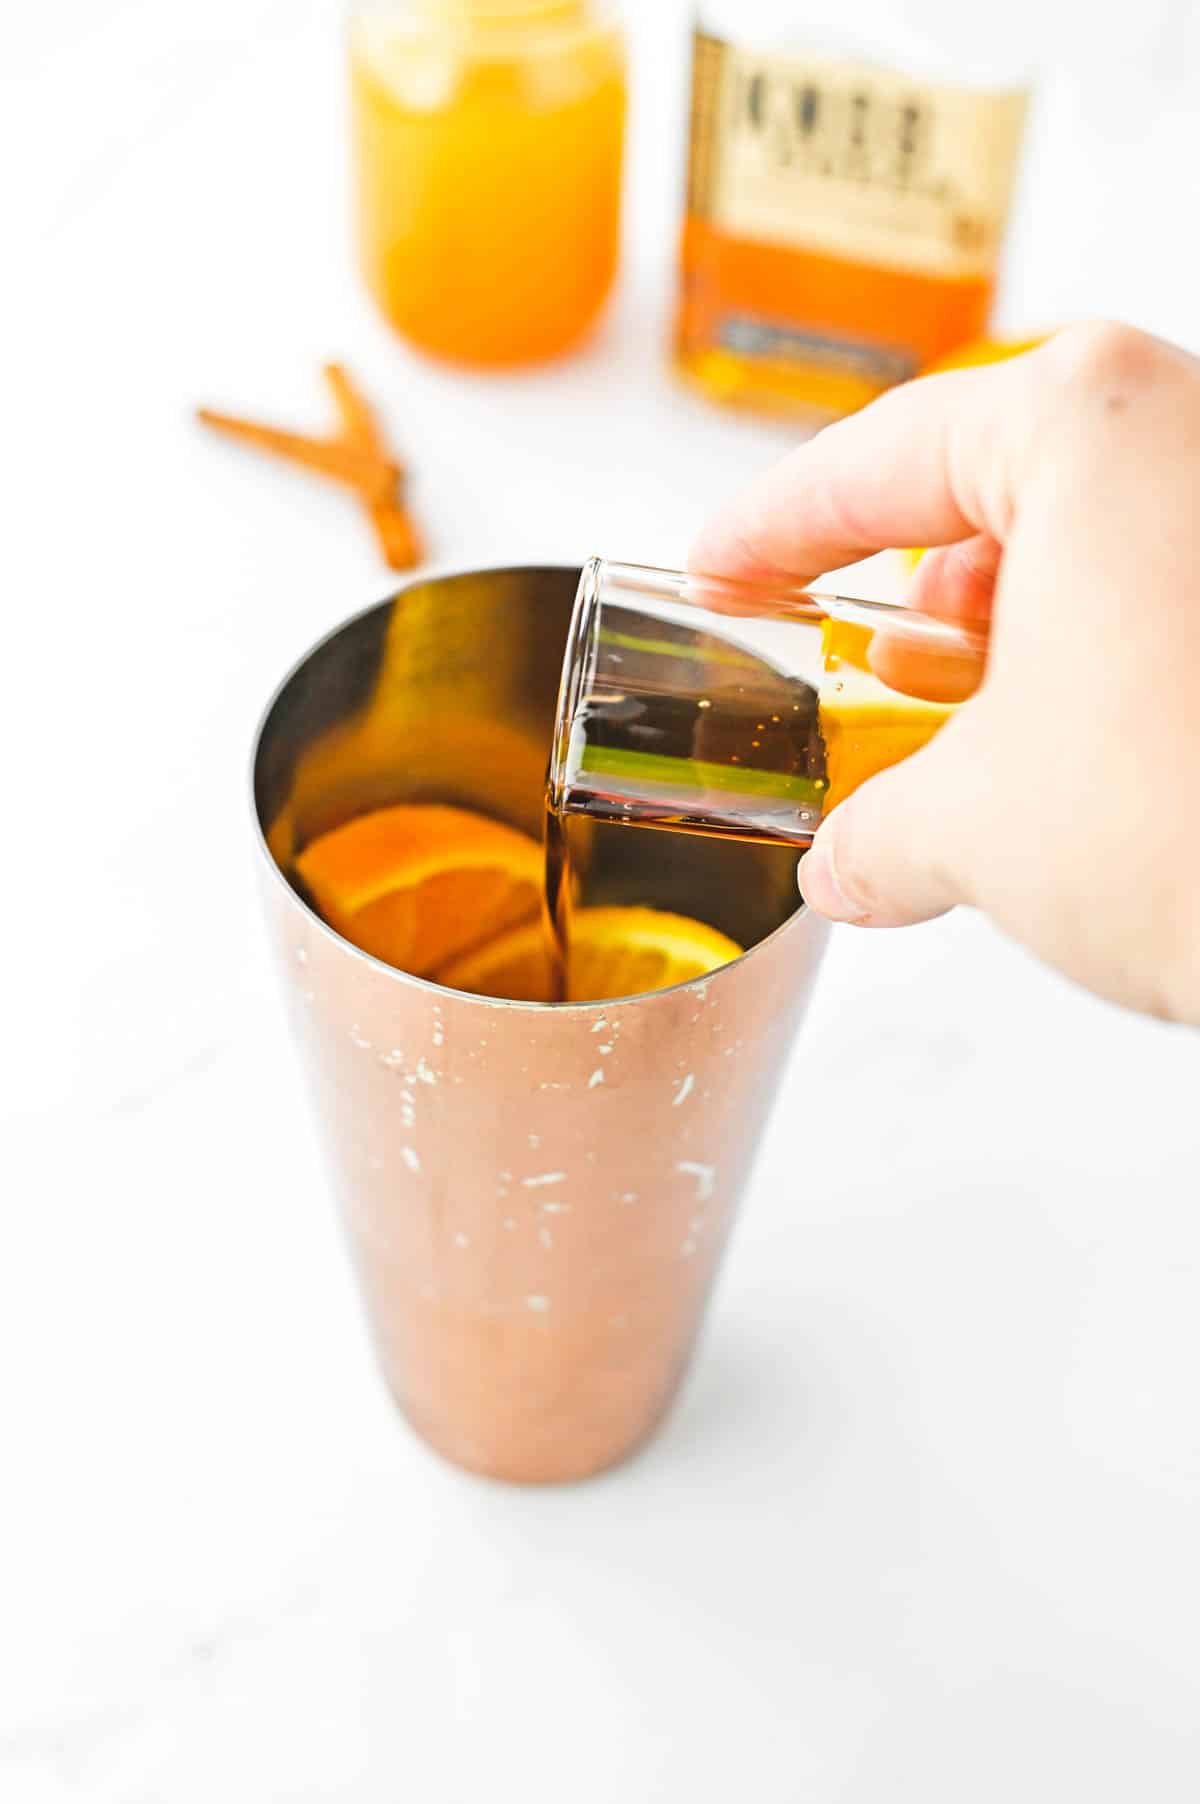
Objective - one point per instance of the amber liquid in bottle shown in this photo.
(843, 226)
(928, 315)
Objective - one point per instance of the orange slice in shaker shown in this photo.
(613, 952)
(624, 951)
(516, 965)
(416, 885)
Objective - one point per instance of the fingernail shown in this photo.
(818, 879)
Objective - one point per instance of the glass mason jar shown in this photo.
(849, 181)
(487, 163)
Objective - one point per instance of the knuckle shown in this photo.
(1107, 354)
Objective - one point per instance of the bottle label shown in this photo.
(851, 160)
(771, 341)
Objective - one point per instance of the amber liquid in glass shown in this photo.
(719, 743)
(682, 730)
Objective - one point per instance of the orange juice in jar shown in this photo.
(488, 140)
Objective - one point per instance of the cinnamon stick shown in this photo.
(357, 456)
(359, 426)
(368, 472)
(394, 529)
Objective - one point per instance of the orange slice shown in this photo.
(844, 643)
(613, 952)
(623, 951)
(863, 737)
(517, 965)
(978, 351)
(866, 727)
(417, 885)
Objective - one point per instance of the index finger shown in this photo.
(929, 463)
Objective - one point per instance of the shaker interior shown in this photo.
(446, 693)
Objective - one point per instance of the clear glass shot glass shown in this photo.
(670, 715)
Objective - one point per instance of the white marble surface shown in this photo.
(925, 1524)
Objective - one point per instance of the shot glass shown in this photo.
(537, 1195)
(670, 715)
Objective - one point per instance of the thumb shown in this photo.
(899, 850)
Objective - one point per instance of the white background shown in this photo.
(925, 1524)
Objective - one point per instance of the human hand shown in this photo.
(1062, 490)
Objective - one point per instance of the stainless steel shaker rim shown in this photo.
(392, 972)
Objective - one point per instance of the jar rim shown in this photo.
(429, 17)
